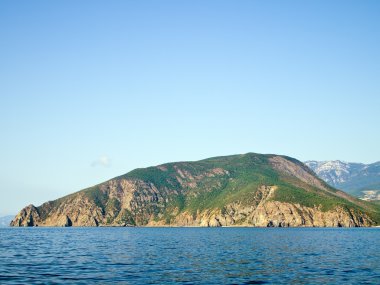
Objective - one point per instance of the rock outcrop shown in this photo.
(268, 213)
(243, 190)
(27, 217)
(273, 214)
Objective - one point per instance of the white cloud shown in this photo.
(104, 161)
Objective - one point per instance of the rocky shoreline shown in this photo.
(248, 190)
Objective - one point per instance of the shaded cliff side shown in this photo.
(239, 190)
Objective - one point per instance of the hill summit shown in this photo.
(239, 190)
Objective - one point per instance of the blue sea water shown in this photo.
(189, 256)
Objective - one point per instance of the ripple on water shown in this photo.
(189, 256)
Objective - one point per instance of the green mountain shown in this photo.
(239, 190)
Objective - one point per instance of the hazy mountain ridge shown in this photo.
(238, 190)
(359, 179)
(5, 221)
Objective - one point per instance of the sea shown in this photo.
(189, 255)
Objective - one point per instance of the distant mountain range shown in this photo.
(5, 221)
(239, 190)
(358, 179)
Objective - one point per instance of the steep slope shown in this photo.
(358, 179)
(240, 190)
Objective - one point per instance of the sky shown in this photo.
(90, 90)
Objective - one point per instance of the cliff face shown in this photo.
(241, 190)
(268, 213)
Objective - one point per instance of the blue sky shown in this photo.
(93, 89)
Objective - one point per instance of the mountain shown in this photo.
(358, 179)
(239, 190)
(5, 221)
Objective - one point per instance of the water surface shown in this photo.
(189, 256)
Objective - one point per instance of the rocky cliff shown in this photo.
(241, 190)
